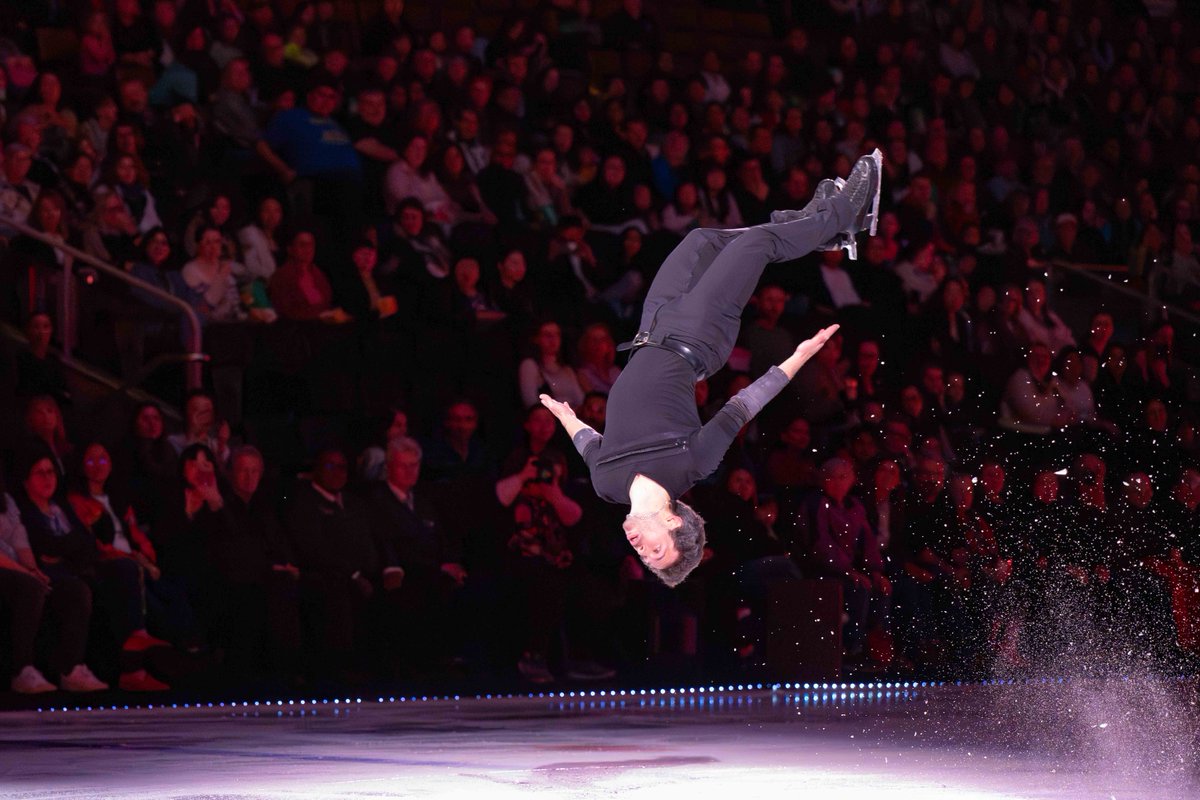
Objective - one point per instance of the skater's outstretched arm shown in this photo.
(587, 439)
(716, 436)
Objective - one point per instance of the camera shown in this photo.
(545, 470)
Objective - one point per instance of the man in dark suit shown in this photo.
(330, 532)
(422, 561)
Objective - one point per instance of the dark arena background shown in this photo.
(281, 514)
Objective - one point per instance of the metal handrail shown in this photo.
(195, 356)
(1083, 271)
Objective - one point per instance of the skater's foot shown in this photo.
(862, 189)
(825, 189)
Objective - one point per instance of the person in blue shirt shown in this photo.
(309, 142)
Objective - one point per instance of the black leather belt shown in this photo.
(665, 342)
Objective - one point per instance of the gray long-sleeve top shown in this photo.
(653, 427)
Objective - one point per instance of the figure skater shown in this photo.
(654, 448)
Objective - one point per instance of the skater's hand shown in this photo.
(562, 411)
(806, 350)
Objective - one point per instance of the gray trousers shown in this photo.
(703, 285)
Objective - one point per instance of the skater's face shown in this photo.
(652, 539)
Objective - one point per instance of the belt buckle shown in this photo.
(641, 338)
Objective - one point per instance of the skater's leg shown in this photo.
(708, 316)
(683, 267)
(729, 280)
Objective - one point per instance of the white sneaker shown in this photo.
(30, 681)
(81, 679)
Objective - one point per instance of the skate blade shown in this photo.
(851, 246)
(874, 215)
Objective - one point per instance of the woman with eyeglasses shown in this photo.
(112, 235)
(210, 277)
(193, 519)
(25, 591)
(68, 553)
(110, 516)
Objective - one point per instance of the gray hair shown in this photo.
(835, 463)
(246, 450)
(404, 444)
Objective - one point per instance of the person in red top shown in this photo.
(299, 289)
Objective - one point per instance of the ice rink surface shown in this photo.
(1115, 740)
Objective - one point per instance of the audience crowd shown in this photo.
(397, 235)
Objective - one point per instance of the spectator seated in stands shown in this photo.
(791, 463)
(201, 426)
(260, 582)
(216, 213)
(597, 354)
(1040, 324)
(111, 519)
(157, 266)
(1031, 402)
(330, 532)
(457, 451)
(112, 234)
(46, 432)
(412, 176)
(413, 250)
(30, 266)
(26, 591)
(262, 251)
(210, 277)
(40, 372)
(544, 372)
(842, 546)
(299, 289)
(423, 571)
(67, 552)
(539, 555)
(128, 178)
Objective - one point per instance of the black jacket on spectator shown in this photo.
(503, 191)
(931, 525)
(75, 546)
(255, 544)
(734, 532)
(413, 538)
(329, 539)
(185, 545)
